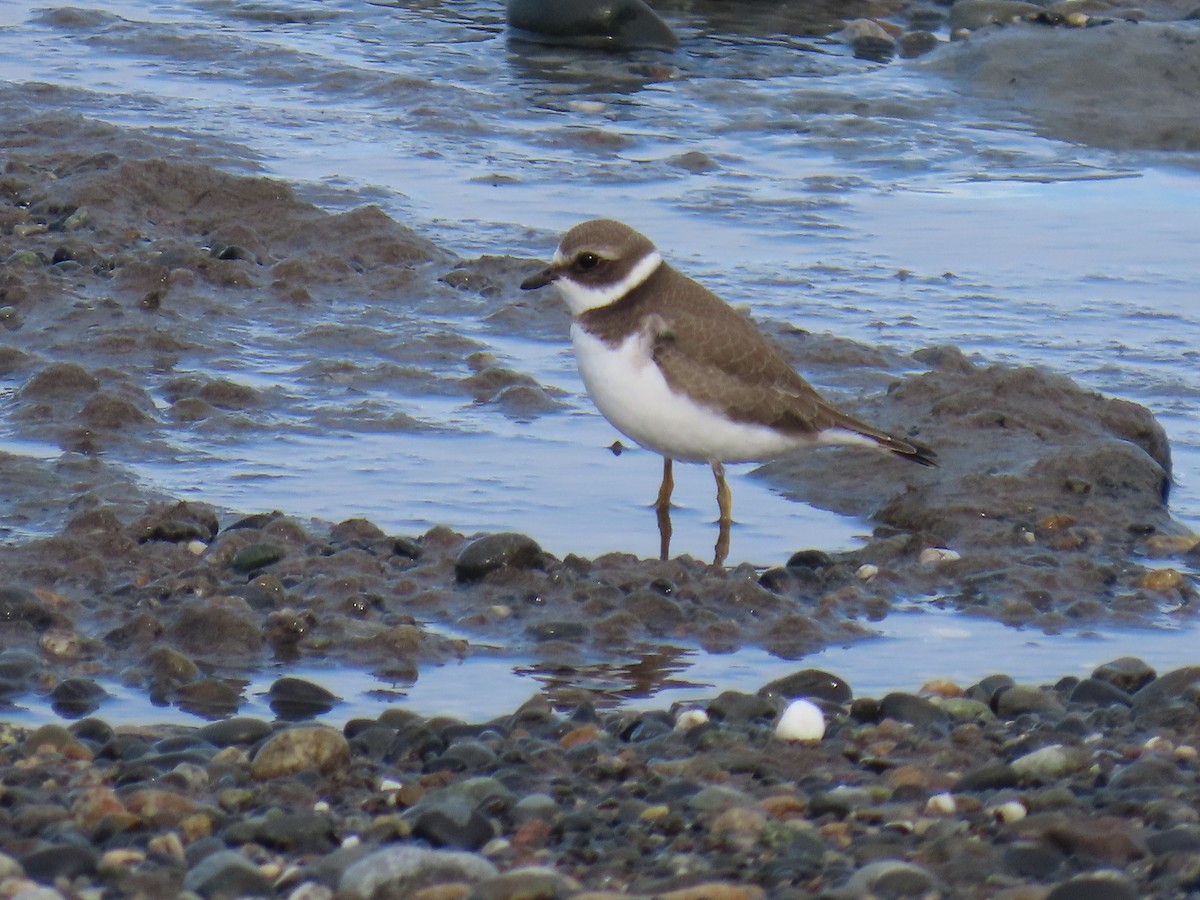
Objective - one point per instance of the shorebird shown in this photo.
(677, 370)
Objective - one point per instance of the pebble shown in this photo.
(935, 556)
(227, 874)
(62, 861)
(974, 14)
(236, 730)
(912, 709)
(1048, 763)
(1128, 673)
(1095, 886)
(1162, 580)
(529, 883)
(1021, 698)
(801, 721)
(1008, 812)
(736, 707)
(399, 871)
(20, 605)
(257, 556)
(690, 718)
(889, 878)
(813, 684)
(492, 552)
(295, 698)
(298, 748)
(868, 39)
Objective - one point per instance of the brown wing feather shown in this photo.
(720, 358)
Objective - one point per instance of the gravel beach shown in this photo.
(135, 267)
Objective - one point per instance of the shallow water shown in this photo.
(875, 202)
(913, 646)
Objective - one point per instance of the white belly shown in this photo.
(630, 391)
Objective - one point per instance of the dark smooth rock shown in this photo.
(1094, 692)
(292, 832)
(1013, 701)
(19, 605)
(987, 778)
(986, 690)
(917, 43)
(889, 878)
(1171, 686)
(1095, 886)
(738, 708)
(647, 727)
(257, 556)
(471, 754)
(72, 698)
(602, 24)
(236, 731)
(66, 861)
(453, 825)
(178, 523)
(226, 875)
(1128, 673)
(294, 698)
(809, 683)
(809, 559)
(912, 709)
(485, 555)
(1149, 771)
(210, 698)
(97, 731)
(1032, 859)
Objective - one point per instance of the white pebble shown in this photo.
(933, 556)
(350, 841)
(690, 718)
(867, 571)
(1012, 811)
(390, 784)
(321, 806)
(197, 547)
(801, 721)
(941, 803)
(586, 106)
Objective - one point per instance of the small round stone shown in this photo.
(801, 721)
(303, 747)
(485, 555)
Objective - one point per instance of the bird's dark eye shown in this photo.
(587, 261)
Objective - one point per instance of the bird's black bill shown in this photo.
(541, 279)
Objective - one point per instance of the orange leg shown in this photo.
(725, 518)
(662, 509)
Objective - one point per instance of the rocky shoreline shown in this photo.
(136, 268)
(1083, 789)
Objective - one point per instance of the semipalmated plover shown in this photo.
(675, 368)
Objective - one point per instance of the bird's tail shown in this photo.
(910, 450)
